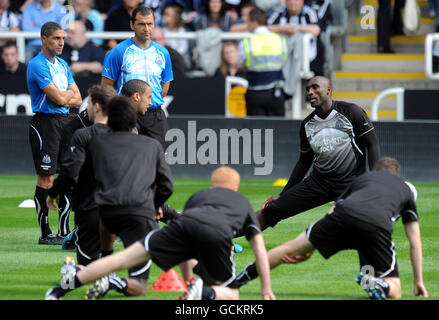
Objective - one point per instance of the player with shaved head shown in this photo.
(204, 231)
(334, 140)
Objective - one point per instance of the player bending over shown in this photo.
(210, 220)
(362, 219)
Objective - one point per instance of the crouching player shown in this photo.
(204, 231)
(362, 219)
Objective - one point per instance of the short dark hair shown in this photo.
(258, 15)
(50, 27)
(134, 86)
(122, 114)
(102, 94)
(143, 11)
(388, 164)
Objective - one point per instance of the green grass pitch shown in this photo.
(27, 269)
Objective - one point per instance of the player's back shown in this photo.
(225, 210)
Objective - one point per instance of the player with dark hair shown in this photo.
(76, 174)
(334, 140)
(362, 219)
(211, 219)
(141, 58)
(52, 91)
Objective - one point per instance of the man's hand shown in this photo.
(268, 296)
(50, 202)
(296, 259)
(159, 214)
(270, 201)
(419, 290)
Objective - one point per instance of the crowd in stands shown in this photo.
(178, 16)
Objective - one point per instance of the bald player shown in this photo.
(334, 141)
(210, 220)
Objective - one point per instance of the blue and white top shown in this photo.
(41, 72)
(128, 61)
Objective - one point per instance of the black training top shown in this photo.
(338, 151)
(225, 210)
(379, 199)
(76, 167)
(127, 167)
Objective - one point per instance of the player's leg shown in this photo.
(122, 260)
(88, 244)
(294, 251)
(394, 287)
(305, 195)
(134, 255)
(379, 275)
(44, 183)
(216, 266)
(64, 209)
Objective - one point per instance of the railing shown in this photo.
(429, 47)
(301, 58)
(399, 103)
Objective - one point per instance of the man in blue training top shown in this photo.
(52, 91)
(141, 58)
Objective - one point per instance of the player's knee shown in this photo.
(395, 291)
(45, 181)
(136, 287)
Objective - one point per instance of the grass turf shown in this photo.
(27, 269)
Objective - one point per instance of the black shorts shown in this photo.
(333, 233)
(88, 242)
(130, 228)
(154, 124)
(44, 139)
(183, 239)
(310, 193)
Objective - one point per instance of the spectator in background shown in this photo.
(263, 54)
(9, 21)
(179, 66)
(119, 20)
(83, 57)
(173, 22)
(105, 6)
(214, 16)
(191, 10)
(90, 17)
(241, 24)
(229, 61)
(10, 64)
(35, 15)
(157, 8)
(387, 26)
(298, 17)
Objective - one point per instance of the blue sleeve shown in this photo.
(112, 64)
(40, 74)
(167, 74)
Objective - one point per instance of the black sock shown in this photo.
(105, 253)
(60, 292)
(208, 293)
(77, 282)
(42, 211)
(249, 273)
(64, 208)
(117, 283)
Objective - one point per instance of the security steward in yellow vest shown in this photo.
(263, 55)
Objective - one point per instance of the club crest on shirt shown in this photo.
(46, 159)
(339, 125)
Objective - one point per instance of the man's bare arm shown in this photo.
(262, 265)
(414, 236)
